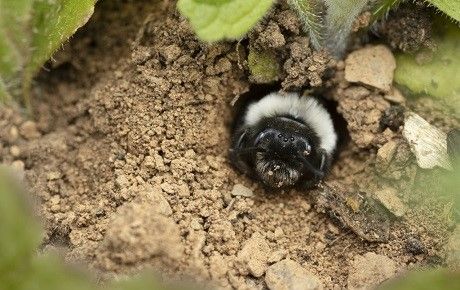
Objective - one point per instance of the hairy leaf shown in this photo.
(339, 19)
(449, 7)
(223, 19)
(311, 14)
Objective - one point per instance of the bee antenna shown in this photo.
(249, 150)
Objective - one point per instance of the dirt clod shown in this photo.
(139, 233)
(362, 214)
(253, 257)
(363, 110)
(369, 270)
(393, 118)
(408, 28)
(270, 37)
(289, 275)
(29, 130)
(372, 65)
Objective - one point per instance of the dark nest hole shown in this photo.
(258, 91)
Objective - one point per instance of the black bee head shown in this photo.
(285, 147)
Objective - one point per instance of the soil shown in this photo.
(127, 154)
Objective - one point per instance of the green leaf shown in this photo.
(223, 19)
(437, 76)
(30, 32)
(449, 7)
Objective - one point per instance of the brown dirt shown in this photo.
(129, 159)
(408, 28)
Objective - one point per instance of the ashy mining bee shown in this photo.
(284, 140)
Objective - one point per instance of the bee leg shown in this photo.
(237, 152)
(325, 161)
(323, 168)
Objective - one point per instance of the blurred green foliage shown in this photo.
(440, 279)
(438, 73)
(19, 235)
(30, 32)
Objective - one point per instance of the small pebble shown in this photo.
(277, 256)
(290, 275)
(53, 175)
(241, 190)
(15, 151)
(385, 155)
(159, 202)
(395, 96)
(389, 199)
(18, 167)
(13, 134)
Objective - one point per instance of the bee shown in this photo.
(284, 140)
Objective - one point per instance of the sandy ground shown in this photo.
(127, 154)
